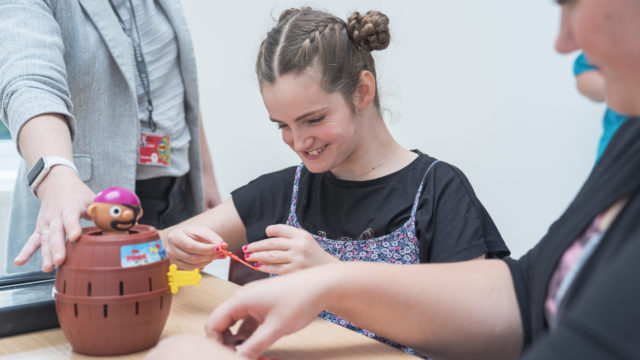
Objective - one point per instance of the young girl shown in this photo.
(358, 194)
(575, 295)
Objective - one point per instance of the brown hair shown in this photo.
(305, 37)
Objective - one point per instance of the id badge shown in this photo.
(154, 150)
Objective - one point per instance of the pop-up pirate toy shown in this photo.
(113, 292)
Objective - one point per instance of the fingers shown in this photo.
(195, 258)
(269, 257)
(249, 346)
(265, 335)
(56, 242)
(248, 326)
(45, 250)
(275, 268)
(267, 245)
(191, 243)
(194, 247)
(32, 245)
(71, 221)
(224, 317)
(205, 235)
(284, 231)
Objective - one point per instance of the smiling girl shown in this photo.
(358, 195)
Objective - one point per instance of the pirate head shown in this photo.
(115, 210)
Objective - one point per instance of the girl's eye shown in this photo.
(281, 126)
(315, 120)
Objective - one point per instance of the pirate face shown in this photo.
(114, 218)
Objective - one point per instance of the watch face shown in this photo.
(35, 171)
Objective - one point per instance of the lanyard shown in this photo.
(141, 65)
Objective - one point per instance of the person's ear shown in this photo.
(91, 211)
(365, 90)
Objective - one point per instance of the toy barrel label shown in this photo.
(142, 254)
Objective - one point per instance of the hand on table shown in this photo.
(287, 250)
(270, 309)
(193, 246)
(64, 199)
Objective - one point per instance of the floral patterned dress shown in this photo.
(398, 247)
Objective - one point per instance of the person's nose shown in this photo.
(565, 42)
(300, 140)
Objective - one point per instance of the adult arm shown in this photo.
(35, 106)
(211, 191)
(64, 198)
(456, 311)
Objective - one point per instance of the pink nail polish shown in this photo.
(257, 265)
(217, 248)
(244, 248)
(246, 256)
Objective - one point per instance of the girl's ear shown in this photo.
(365, 90)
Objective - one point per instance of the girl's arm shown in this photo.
(455, 311)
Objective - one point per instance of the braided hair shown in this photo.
(305, 37)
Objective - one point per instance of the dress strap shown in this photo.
(416, 201)
(294, 192)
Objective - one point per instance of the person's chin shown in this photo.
(622, 102)
(315, 167)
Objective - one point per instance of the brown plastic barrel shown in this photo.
(104, 308)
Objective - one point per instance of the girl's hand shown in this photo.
(193, 246)
(269, 309)
(287, 250)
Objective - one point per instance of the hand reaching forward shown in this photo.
(287, 249)
(193, 246)
(64, 199)
(269, 309)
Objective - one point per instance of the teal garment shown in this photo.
(581, 65)
(4, 132)
(610, 124)
(611, 120)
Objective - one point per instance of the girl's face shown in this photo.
(320, 127)
(607, 31)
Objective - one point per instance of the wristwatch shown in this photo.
(42, 167)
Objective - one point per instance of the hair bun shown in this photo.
(369, 31)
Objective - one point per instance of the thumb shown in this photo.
(265, 335)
